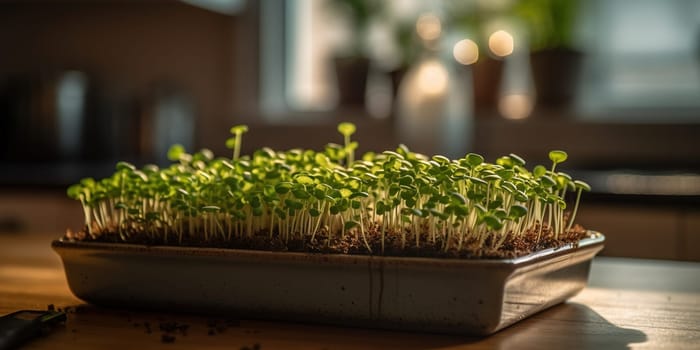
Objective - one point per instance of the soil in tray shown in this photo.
(531, 241)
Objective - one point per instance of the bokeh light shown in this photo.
(428, 27)
(466, 52)
(501, 43)
(432, 78)
(515, 106)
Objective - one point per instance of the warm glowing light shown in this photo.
(501, 43)
(466, 52)
(428, 27)
(432, 78)
(515, 106)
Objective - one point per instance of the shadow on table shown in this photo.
(567, 326)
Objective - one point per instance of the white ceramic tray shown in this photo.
(420, 294)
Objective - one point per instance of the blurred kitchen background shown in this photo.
(615, 83)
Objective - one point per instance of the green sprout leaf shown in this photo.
(304, 179)
(474, 159)
(557, 156)
(124, 166)
(517, 211)
(231, 143)
(493, 222)
(346, 128)
(345, 193)
(211, 209)
(351, 224)
(582, 185)
(517, 160)
(539, 171)
(175, 152)
(74, 191)
(239, 129)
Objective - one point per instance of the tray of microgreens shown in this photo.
(393, 239)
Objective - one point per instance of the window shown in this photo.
(642, 58)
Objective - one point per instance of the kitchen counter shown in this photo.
(629, 303)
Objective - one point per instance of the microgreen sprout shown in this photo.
(557, 157)
(347, 129)
(395, 197)
(235, 141)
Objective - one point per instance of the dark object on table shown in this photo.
(21, 326)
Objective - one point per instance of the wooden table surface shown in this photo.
(629, 304)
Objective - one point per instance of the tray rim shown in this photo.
(594, 239)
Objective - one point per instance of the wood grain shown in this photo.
(625, 307)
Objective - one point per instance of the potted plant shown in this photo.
(555, 61)
(351, 63)
(487, 71)
(392, 240)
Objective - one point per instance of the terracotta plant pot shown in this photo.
(458, 296)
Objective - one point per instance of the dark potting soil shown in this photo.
(353, 243)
